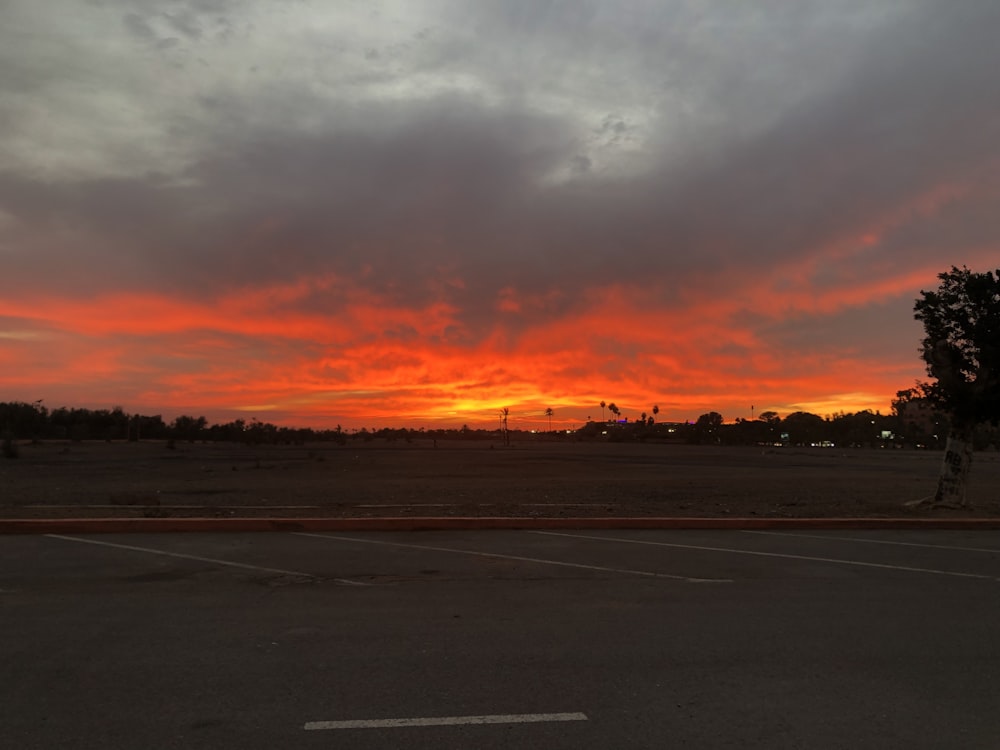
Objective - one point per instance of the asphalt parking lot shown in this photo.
(493, 639)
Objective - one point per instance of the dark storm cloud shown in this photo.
(399, 193)
(405, 201)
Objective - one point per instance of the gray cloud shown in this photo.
(534, 145)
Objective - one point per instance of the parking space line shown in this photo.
(172, 506)
(873, 541)
(536, 560)
(441, 721)
(408, 505)
(808, 558)
(214, 561)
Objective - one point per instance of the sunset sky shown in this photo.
(409, 213)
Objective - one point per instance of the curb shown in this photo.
(163, 525)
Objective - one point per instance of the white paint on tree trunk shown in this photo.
(955, 469)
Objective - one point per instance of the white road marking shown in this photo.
(440, 721)
(771, 554)
(873, 541)
(478, 553)
(564, 505)
(408, 505)
(171, 506)
(478, 505)
(227, 563)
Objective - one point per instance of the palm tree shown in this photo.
(656, 410)
(613, 409)
(549, 413)
(503, 420)
(602, 411)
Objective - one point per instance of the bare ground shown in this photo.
(457, 478)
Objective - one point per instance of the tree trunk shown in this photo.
(955, 468)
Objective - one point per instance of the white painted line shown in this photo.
(536, 560)
(227, 563)
(407, 505)
(444, 721)
(874, 541)
(771, 554)
(564, 505)
(171, 506)
(449, 505)
(423, 505)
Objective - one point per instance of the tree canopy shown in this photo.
(961, 346)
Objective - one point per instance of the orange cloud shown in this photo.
(326, 351)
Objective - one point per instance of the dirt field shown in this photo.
(472, 478)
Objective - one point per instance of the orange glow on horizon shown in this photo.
(367, 361)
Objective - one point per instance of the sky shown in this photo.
(409, 213)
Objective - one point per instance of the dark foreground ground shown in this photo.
(97, 479)
(648, 639)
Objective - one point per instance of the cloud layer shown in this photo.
(420, 212)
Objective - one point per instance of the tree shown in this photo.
(656, 410)
(706, 429)
(190, 428)
(602, 411)
(961, 348)
(918, 421)
(804, 428)
(613, 409)
(23, 420)
(549, 413)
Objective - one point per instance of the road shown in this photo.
(599, 639)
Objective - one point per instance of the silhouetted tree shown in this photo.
(961, 348)
(919, 423)
(188, 428)
(602, 411)
(549, 413)
(804, 428)
(23, 420)
(706, 428)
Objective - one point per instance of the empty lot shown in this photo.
(475, 478)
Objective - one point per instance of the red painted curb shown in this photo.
(140, 525)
